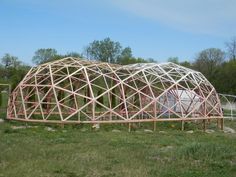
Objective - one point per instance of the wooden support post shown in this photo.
(204, 125)
(129, 127)
(79, 116)
(182, 126)
(154, 126)
(222, 123)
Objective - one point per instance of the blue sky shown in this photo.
(156, 29)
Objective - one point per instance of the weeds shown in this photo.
(68, 151)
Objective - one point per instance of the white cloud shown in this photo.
(216, 17)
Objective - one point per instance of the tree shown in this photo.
(105, 50)
(132, 60)
(208, 62)
(10, 61)
(17, 74)
(186, 64)
(12, 70)
(151, 60)
(44, 55)
(126, 53)
(141, 60)
(231, 48)
(73, 54)
(125, 56)
(173, 60)
(226, 82)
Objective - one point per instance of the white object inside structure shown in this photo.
(180, 101)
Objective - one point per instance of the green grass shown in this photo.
(75, 151)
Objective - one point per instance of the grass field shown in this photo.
(75, 151)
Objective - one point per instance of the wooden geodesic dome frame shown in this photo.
(72, 90)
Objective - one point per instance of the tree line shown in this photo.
(218, 66)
